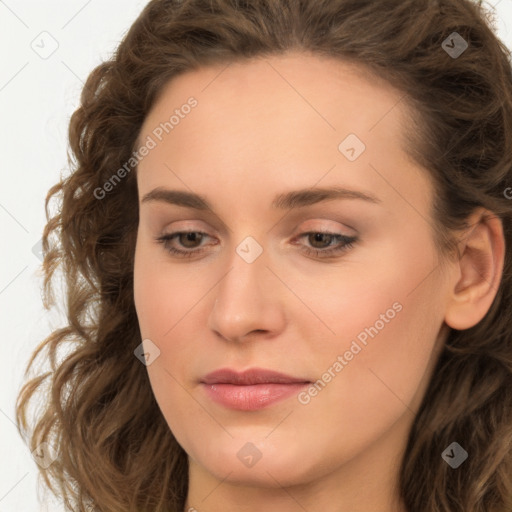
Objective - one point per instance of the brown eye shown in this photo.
(320, 244)
(320, 240)
(183, 243)
(189, 239)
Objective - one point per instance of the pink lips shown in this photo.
(252, 389)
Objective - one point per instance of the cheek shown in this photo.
(164, 296)
(382, 382)
(164, 306)
(387, 321)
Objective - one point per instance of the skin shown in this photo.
(262, 128)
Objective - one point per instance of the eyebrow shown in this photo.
(284, 201)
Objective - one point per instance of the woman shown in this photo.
(286, 240)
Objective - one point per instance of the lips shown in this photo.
(252, 389)
(250, 377)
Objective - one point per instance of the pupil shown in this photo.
(319, 236)
(191, 237)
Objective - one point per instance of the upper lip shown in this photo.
(250, 376)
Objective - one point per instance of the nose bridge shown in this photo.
(245, 281)
(251, 263)
(246, 298)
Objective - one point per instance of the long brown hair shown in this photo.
(114, 450)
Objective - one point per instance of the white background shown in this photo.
(37, 97)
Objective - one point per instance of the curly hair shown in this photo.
(114, 450)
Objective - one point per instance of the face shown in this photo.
(337, 286)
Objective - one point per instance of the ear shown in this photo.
(478, 270)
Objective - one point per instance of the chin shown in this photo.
(260, 464)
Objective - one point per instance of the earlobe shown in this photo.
(479, 270)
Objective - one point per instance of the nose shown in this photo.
(249, 302)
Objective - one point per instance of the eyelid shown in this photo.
(311, 225)
(188, 225)
(324, 226)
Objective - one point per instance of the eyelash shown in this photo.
(348, 243)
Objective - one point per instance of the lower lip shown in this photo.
(251, 397)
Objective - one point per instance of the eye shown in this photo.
(319, 240)
(188, 239)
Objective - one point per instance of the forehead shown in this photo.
(292, 86)
(279, 118)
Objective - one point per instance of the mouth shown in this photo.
(252, 389)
